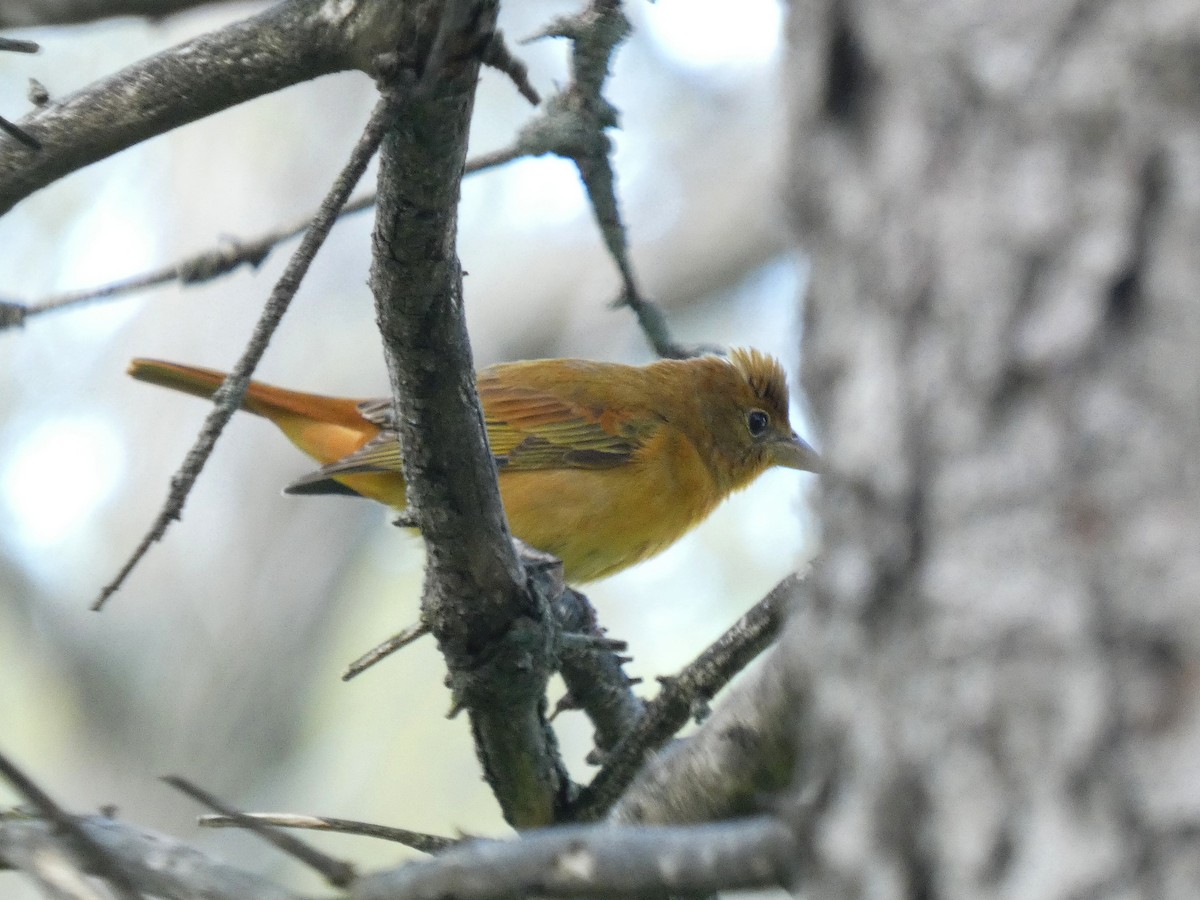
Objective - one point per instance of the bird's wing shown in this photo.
(380, 454)
(533, 428)
(529, 427)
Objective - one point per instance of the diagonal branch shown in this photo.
(229, 396)
(574, 124)
(287, 44)
(595, 679)
(417, 840)
(337, 872)
(685, 696)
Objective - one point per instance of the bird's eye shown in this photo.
(757, 421)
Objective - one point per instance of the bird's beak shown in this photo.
(795, 453)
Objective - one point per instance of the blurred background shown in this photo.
(220, 659)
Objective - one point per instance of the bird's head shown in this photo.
(749, 418)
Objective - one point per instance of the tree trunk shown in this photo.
(1002, 203)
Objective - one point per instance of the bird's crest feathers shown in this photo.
(765, 376)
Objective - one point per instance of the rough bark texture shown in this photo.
(1003, 206)
(491, 624)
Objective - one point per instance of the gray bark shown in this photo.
(35, 13)
(1003, 206)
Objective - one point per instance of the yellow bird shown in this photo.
(601, 464)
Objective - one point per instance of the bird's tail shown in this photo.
(326, 428)
(265, 400)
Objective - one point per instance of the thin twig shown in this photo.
(426, 843)
(576, 122)
(284, 44)
(685, 696)
(501, 58)
(18, 46)
(197, 269)
(229, 396)
(337, 872)
(382, 651)
(93, 856)
(216, 262)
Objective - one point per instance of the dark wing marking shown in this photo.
(530, 428)
(380, 454)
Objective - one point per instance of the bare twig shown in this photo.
(501, 58)
(229, 396)
(158, 865)
(686, 696)
(574, 124)
(600, 861)
(382, 651)
(94, 857)
(18, 46)
(426, 843)
(742, 754)
(210, 264)
(595, 678)
(197, 269)
(337, 872)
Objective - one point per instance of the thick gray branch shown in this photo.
(157, 865)
(496, 634)
(292, 42)
(600, 861)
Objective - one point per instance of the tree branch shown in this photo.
(493, 627)
(600, 861)
(229, 396)
(157, 865)
(595, 679)
(92, 855)
(686, 695)
(288, 43)
(574, 124)
(208, 264)
(335, 871)
(426, 843)
(743, 753)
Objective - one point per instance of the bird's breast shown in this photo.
(599, 521)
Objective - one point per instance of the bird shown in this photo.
(600, 464)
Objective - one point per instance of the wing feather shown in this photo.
(532, 428)
(381, 454)
(528, 428)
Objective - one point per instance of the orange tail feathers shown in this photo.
(261, 399)
(326, 428)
